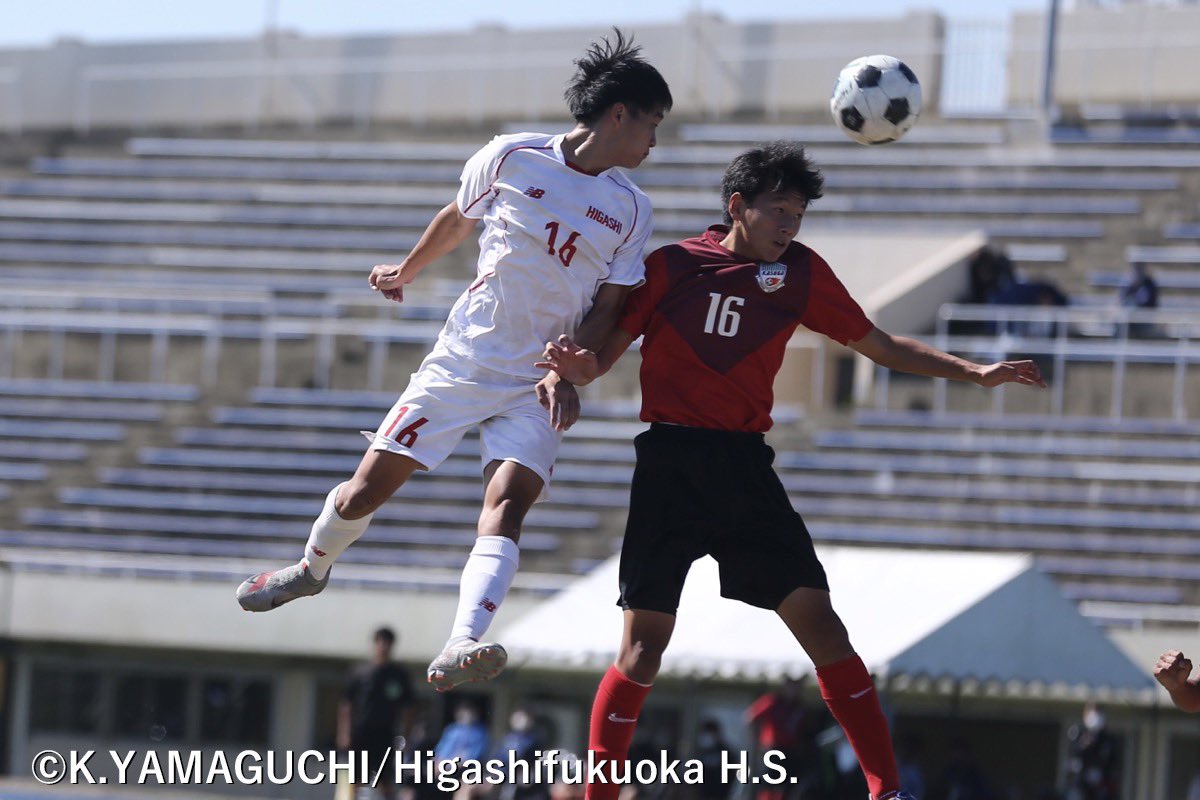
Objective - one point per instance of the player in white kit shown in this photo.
(561, 247)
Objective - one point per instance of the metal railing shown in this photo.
(1059, 336)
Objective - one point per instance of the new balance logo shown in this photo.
(487, 605)
(320, 553)
(535, 193)
(614, 718)
(857, 695)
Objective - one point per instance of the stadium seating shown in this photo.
(290, 227)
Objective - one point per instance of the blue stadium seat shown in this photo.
(998, 515)
(441, 175)
(20, 471)
(39, 451)
(288, 530)
(1132, 135)
(1171, 254)
(423, 486)
(54, 432)
(307, 507)
(1120, 568)
(954, 488)
(1008, 444)
(99, 390)
(207, 235)
(81, 409)
(1034, 540)
(240, 259)
(1182, 230)
(360, 554)
(985, 464)
(1028, 422)
(1121, 592)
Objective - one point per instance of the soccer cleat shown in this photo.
(269, 590)
(466, 662)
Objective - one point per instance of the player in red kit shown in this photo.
(716, 312)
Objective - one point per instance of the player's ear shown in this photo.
(737, 207)
(618, 113)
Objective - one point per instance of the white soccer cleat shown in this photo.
(466, 662)
(269, 590)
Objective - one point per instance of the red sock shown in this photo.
(847, 688)
(614, 719)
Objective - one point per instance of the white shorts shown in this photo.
(448, 395)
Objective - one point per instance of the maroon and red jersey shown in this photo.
(716, 327)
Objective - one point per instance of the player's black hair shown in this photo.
(773, 167)
(386, 634)
(614, 72)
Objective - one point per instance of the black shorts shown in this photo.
(703, 492)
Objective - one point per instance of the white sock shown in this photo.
(485, 581)
(331, 535)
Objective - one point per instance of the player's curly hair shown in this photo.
(614, 72)
(773, 167)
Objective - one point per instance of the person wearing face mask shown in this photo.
(465, 738)
(717, 311)
(1092, 767)
(711, 750)
(519, 746)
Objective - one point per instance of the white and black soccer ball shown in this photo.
(876, 99)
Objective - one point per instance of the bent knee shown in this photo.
(356, 500)
(505, 516)
(640, 658)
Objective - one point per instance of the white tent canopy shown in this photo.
(962, 616)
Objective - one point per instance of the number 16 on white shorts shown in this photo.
(443, 401)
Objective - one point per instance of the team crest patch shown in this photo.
(770, 276)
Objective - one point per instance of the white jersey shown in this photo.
(552, 235)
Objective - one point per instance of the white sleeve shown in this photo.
(479, 173)
(628, 266)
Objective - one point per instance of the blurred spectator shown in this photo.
(990, 273)
(963, 778)
(466, 737)
(376, 706)
(561, 790)
(519, 746)
(1092, 767)
(711, 750)
(908, 760)
(778, 721)
(1031, 293)
(1140, 291)
(1193, 790)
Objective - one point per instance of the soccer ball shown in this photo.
(876, 99)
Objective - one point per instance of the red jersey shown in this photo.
(716, 327)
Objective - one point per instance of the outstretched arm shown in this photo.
(447, 231)
(909, 355)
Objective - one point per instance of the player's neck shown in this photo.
(737, 243)
(584, 150)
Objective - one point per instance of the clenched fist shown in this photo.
(389, 280)
(1172, 670)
